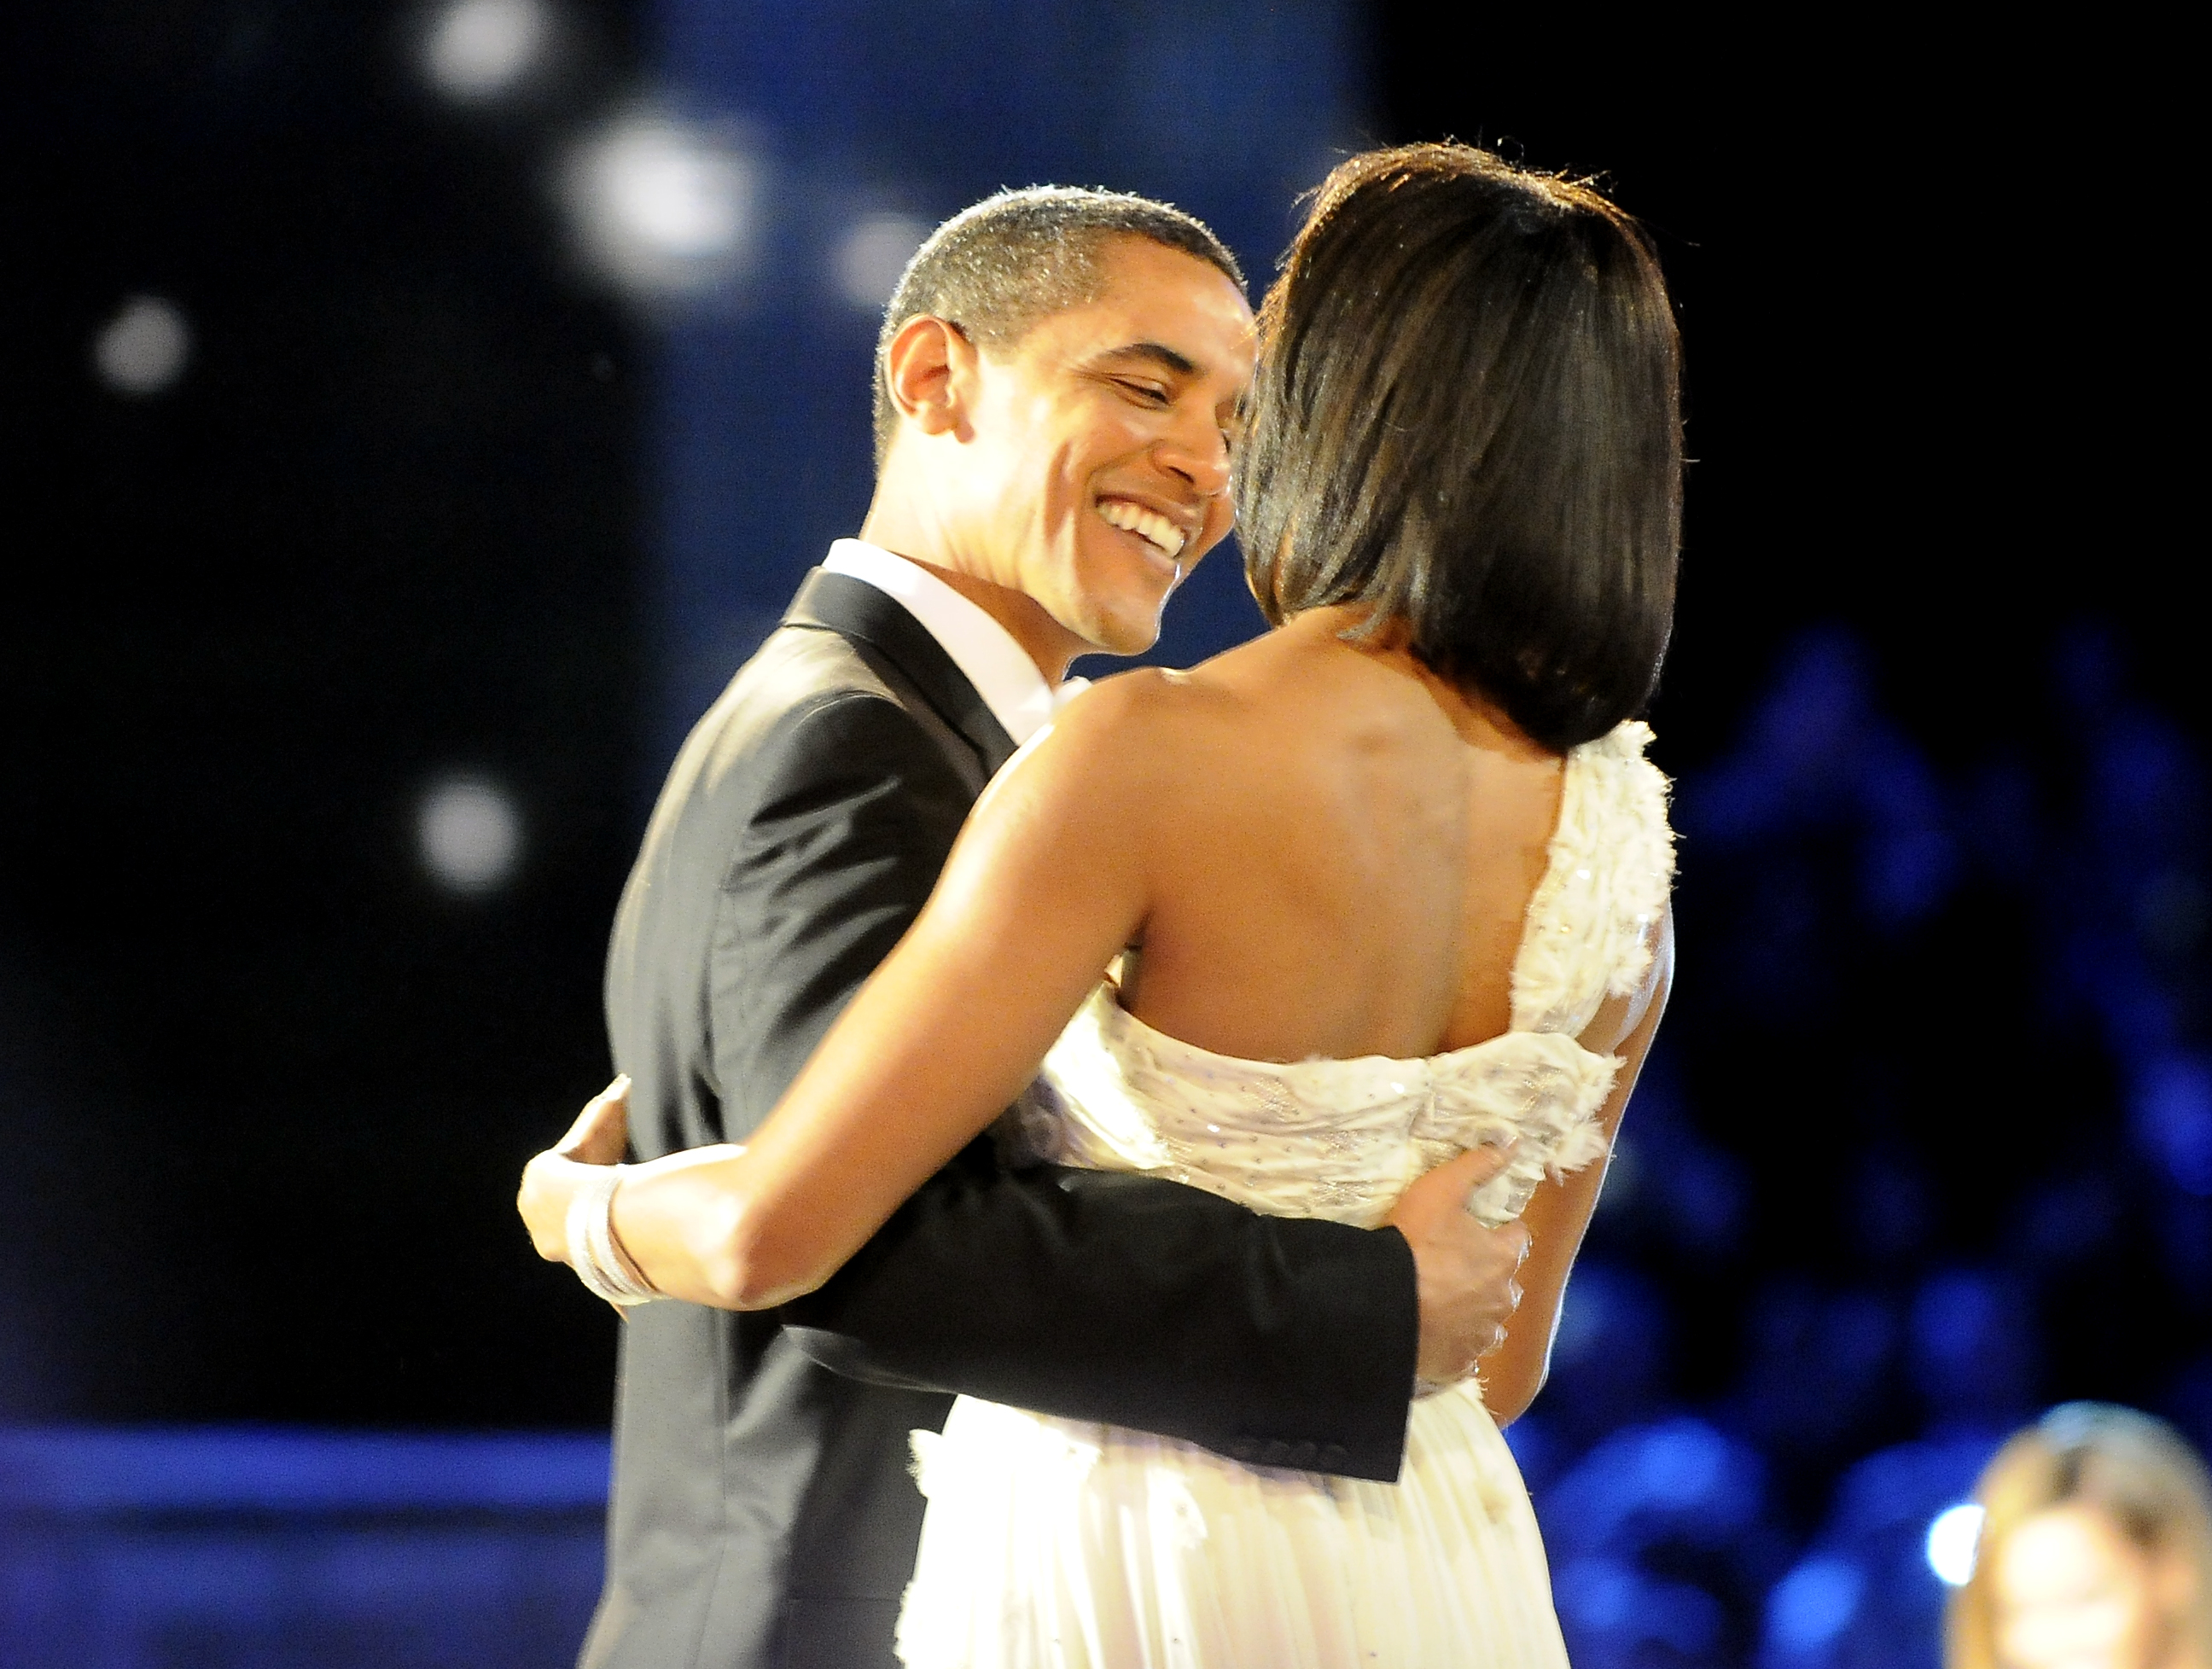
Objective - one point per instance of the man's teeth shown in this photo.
(1153, 528)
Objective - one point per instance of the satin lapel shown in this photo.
(839, 603)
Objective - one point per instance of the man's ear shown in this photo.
(931, 367)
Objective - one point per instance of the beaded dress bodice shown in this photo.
(1342, 1139)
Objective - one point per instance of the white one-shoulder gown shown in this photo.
(1053, 1544)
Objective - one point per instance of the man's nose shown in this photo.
(1199, 452)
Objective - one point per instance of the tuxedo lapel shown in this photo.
(839, 603)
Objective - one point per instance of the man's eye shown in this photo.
(1151, 392)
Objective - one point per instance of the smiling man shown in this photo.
(1058, 382)
(1062, 462)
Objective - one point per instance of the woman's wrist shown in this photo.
(594, 1251)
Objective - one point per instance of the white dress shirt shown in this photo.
(984, 651)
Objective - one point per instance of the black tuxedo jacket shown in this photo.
(763, 1513)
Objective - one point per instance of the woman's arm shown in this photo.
(1560, 1212)
(1049, 879)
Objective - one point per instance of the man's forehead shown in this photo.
(1136, 272)
(1163, 308)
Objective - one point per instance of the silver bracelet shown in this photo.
(596, 1255)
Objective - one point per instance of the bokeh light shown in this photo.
(478, 49)
(871, 254)
(664, 207)
(1951, 1542)
(144, 349)
(470, 834)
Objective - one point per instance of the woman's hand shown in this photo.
(599, 1136)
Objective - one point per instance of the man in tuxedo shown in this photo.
(1058, 382)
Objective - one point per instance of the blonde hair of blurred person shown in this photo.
(2094, 1553)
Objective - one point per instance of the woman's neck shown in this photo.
(1480, 721)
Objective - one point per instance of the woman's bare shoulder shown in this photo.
(1140, 748)
(1152, 707)
(1274, 709)
(1114, 740)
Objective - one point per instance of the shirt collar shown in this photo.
(984, 651)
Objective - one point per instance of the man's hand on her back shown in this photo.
(1465, 1273)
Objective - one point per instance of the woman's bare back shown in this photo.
(1353, 847)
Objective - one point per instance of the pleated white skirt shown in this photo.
(1058, 1545)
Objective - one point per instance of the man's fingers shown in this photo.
(1485, 1162)
(1454, 1180)
(1466, 1171)
(1466, 1272)
(1517, 1232)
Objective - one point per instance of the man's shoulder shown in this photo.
(796, 670)
(811, 706)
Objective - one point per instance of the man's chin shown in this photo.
(1126, 637)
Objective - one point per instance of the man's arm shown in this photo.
(1119, 1298)
(1137, 1302)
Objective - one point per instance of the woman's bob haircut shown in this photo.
(1467, 417)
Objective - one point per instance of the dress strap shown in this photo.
(1593, 918)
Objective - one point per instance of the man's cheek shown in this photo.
(1218, 521)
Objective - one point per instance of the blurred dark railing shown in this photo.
(257, 1548)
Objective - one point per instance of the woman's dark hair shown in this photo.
(1467, 416)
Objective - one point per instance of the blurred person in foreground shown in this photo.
(1382, 886)
(2095, 1550)
(1057, 378)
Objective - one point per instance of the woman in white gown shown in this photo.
(1388, 882)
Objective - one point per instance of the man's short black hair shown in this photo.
(998, 267)
(1467, 415)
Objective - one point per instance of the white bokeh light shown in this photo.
(1952, 1540)
(871, 254)
(478, 49)
(664, 206)
(143, 349)
(468, 832)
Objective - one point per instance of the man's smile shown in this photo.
(1157, 531)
